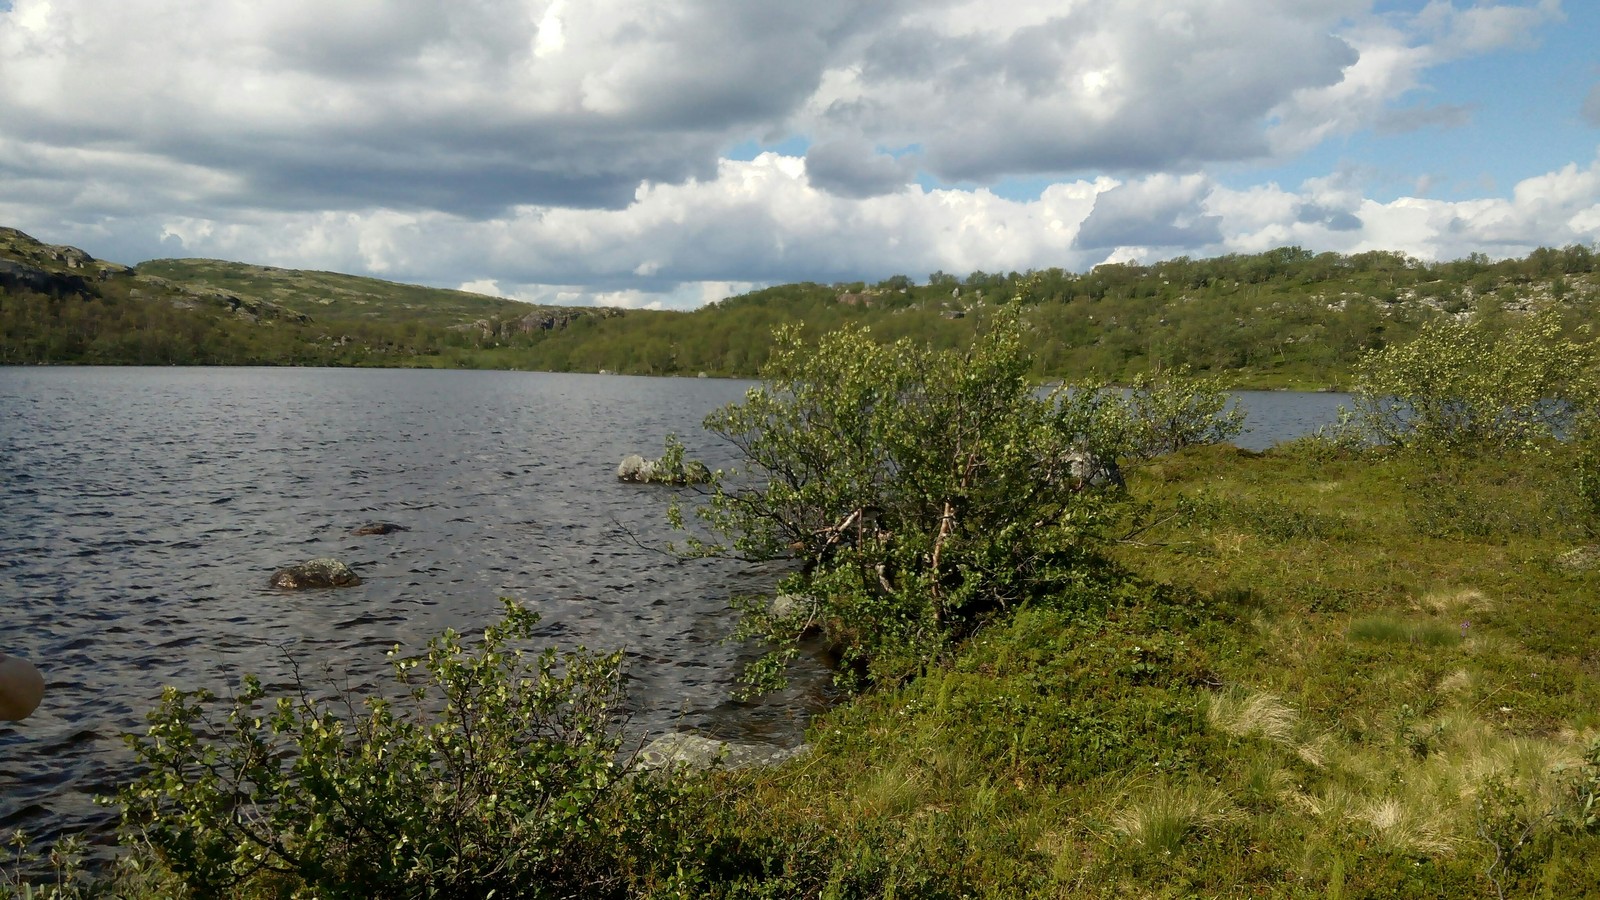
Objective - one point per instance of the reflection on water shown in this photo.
(146, 508)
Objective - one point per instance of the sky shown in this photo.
(668, 153)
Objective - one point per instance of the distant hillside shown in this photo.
(1286, 317)
(336, 297)
(60, 305)
(1283, 318)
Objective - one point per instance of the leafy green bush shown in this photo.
(496, 774)
(1467, 386)
(922, 490)
(1177, 409)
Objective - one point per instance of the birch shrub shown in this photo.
(1463, 386)
(494, 774)
(1166, 412)
(921, 491)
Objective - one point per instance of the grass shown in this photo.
(1305, 688)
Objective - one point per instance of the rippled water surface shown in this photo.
(142, 512)
(145, 510)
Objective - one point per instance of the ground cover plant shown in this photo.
(1339, 668)
(1372, 707)
(1334, 669)
(495, 773)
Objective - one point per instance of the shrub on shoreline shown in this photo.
(494, 771)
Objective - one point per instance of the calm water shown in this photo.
(145, 509)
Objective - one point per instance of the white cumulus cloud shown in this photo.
(550, 148)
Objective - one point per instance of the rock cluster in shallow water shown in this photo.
(695, 752)
(635, 469)
(315, 573)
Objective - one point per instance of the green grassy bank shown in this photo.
(1324, 676)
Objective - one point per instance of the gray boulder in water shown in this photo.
(799, 611)
(695, 752)
(635, 469)
(315, 573)
(793, 606)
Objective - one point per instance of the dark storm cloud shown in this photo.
(1157, 212)
(855, 169)
(1332, 219)
(468, 108)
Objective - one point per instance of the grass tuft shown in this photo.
(1257, 715)
(1385, 629)
(1155, 824)
(1406, 829)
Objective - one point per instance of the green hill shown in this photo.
(1284, 318)
(336, 297)
(60, 305)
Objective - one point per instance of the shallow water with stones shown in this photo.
(145, 509)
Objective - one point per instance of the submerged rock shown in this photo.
(695, 752)
(316, 573)
(379, 528)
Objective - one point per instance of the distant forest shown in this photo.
(1286, 317)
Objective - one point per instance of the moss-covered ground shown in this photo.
(1320, 675)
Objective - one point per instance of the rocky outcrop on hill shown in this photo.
(28, 264)
(60, 271)
(15, 276)
(189, 297)
(543, 318)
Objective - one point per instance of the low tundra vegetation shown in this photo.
(1341, 668)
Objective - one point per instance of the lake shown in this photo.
(146, 508)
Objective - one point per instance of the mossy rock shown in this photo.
(315, 573)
